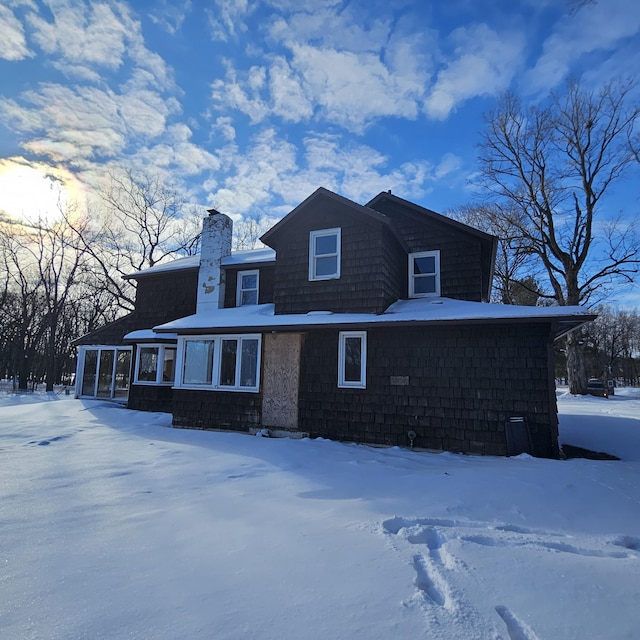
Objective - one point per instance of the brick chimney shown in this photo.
(215, 244)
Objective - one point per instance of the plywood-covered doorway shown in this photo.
(281, 380)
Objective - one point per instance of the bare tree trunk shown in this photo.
(576, 371)
(23, 370)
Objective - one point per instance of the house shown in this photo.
(364, 323)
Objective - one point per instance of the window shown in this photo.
(155, 364)
(147, 370)
(324, 254)
(247, 289)
(352, 359)
(424, 274)
(228, 363)
(198, 362)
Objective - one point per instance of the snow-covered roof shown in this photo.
(250, 256)
(148, 335)
(188, 262)
(404, 312)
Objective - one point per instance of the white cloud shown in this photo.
(224, 126)
(169, 15)
(14, 44)
(271, 175)
(86, 122)
(287, 94)
(150, 69)
(448, 165)
(84, 40)
(352, 89)
(598, 26)
(83, 34)
(484, 64)
(241, 93)
(228, 18)
(328, 28)
(336, 64)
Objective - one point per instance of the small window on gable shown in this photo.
(324, 254)
(352, 359)
(247, 289)
(424, 274)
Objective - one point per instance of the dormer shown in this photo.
(445, 257)
(336, 255)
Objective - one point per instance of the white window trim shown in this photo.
(351, 384)
(239, 288)
(424, 254)
(312, 256)
(161, 349)
(217, 350)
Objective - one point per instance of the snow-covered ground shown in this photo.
(114, 525)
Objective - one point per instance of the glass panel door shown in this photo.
(123, 367)
(89, 372)
(105, 374)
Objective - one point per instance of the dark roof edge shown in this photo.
(79, 341)
(433, 214)
(141, 274)
(560, 321)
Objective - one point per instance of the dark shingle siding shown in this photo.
(225, 410)
(368, 281)
(461, 257)
(159, 299)
(150, 398)
(265, 285)
(461, 389)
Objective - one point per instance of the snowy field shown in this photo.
(114, 525)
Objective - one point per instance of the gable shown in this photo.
(320, 201)
(363, 267)
(469, 254)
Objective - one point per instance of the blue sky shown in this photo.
(249, 106)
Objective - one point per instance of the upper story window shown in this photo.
(155, 364)
(324, 254)
(424, 274)
(352, 359)
(247, 289)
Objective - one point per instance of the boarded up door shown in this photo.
(281, 380)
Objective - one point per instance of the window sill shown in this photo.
(202, 387)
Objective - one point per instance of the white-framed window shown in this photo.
(155, 364)
(324, 254)
(247, 288)
(424, 274)
(223, 363)
(352, 359)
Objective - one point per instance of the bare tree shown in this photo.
(549, 168)
(514, 279)
(140, 223)
(614, 336)
(23, 305)
(60, 266)
(247, 232)
(41, 269)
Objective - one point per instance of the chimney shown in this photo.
(215, 244)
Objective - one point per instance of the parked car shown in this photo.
(597, 388)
